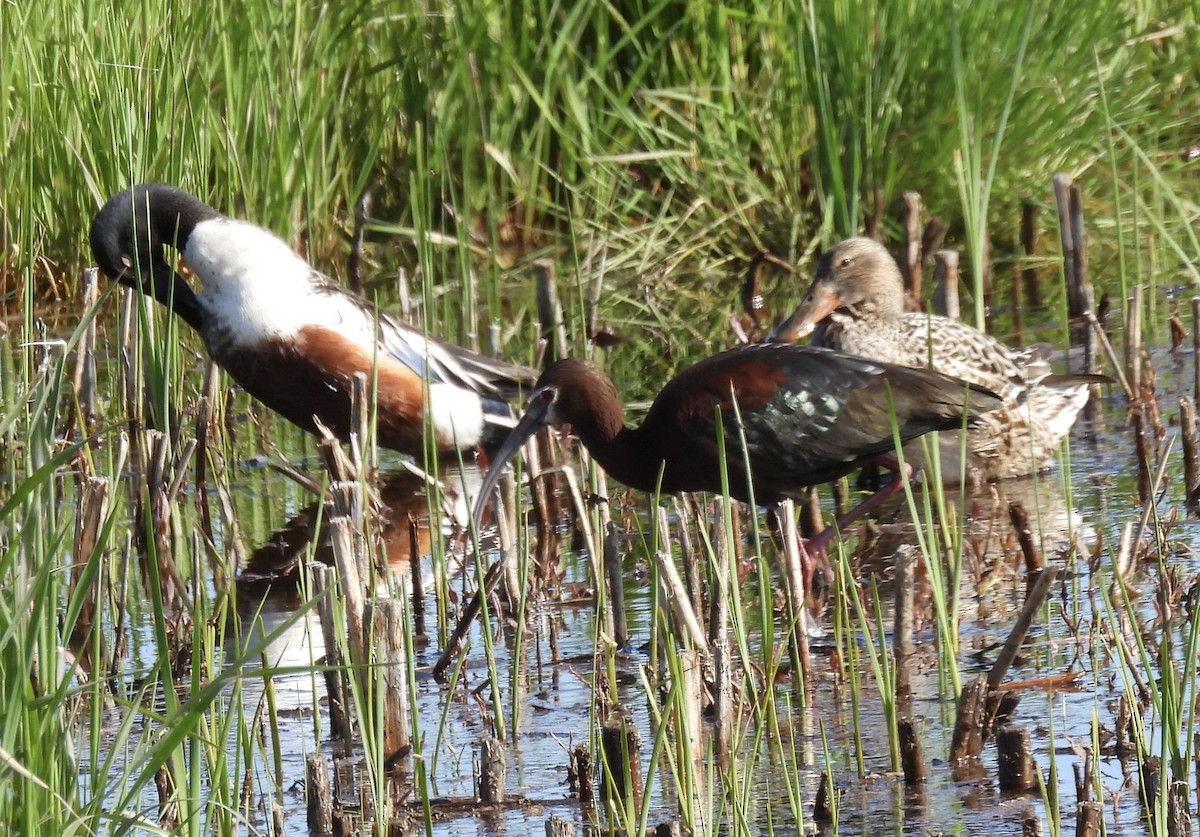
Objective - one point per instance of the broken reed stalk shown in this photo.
(415, 569)
(318, 795)
(493, 771)
(557, 827)
(974, 714)
(544, 520)
(1014, 760)
(614, 575)
(945, 281)
(1016, 637)
(904, 561)
(912, 756)
(690, 729)
(550, 312)
(969, 722)
(1155, 487)
(685, 513)
(84, 379)
(718, 635)
(92, 509)
(164, 479)
(621, 764)
(1139, 417)
(166, 786)
(1034, 563)
(1067, 201)
(579, 776)
(583, 520)
(1029, 238)
(347, 536)
(1133, 338)
(334, 671)
(1191, 460)
(1196, 766)
(932, 239)
(797, 592)
(1196, 349)
(675, 592)
(1089, 817)
(386, 617)
(911, 263)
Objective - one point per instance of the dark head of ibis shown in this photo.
(807, 415)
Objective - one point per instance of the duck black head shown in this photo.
(130, 232)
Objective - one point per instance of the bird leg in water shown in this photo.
(815, 546)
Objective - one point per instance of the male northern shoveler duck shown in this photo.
(808, 416)
(856, 304)
(290, 336)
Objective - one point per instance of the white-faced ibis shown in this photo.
(808, 416)
(289, 335)
(856, 304)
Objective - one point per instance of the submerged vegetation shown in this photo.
(649, 152)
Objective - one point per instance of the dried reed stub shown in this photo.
(1034, 563)
(493, 771)
(1029, 237)
(621, 765)
(1191, 458)
(969, 722)
(92, 509)
(318, 795)
(550, 312)
(1089, 818)
(165, 786)
(912, 757)
(418, 583)
(84, 378)
(945, 282)
(558, 827)
(1068, 202)
(910, 265)
(579, 776)
(1014, 760)
(1196, 348)
(336, 687)
(386, 617)
(823, 804)
(904, 562)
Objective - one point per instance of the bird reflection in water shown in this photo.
(403, 528)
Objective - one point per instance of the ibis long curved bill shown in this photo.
(537, 416)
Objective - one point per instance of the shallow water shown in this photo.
(555, 700)
(553, 683)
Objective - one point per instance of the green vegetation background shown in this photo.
(649, 148)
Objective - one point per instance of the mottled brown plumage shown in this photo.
(856, 304)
